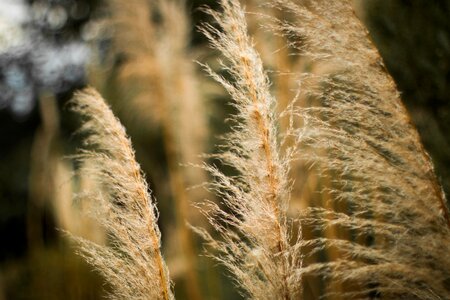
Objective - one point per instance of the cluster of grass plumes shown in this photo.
(384, 192)
(384, 206)
(132, 263)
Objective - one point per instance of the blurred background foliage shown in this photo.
(50, 48)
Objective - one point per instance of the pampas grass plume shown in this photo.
(256, 242)
(132, 263)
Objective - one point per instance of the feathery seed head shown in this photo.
(132, 263)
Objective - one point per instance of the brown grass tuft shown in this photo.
(132, 263)
(384, 190)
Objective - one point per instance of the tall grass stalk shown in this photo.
(384, 190)
(42, 170)
(132, 263)
(256, 242)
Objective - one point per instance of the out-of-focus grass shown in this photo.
(51, 273)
